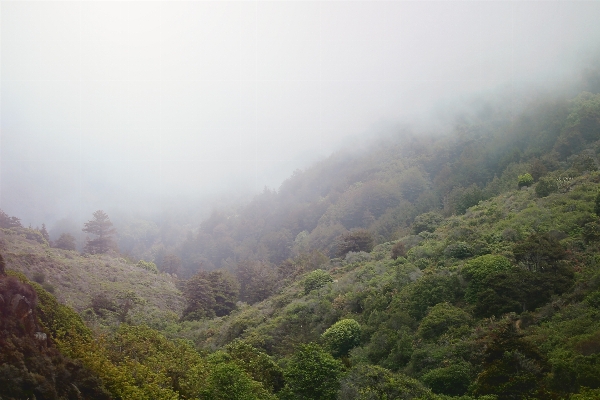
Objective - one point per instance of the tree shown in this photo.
(101, 227)
(477, 269)
(545, 187)
(9, 222)
(355, 240)
(537, 169)
(539, 252)
(513, 368)
(44, 233)
(316, 280)
(342, 337)
(210, 294)
(370, 382)
(312, 373)
(525, 180)
(399, 250)
(199, 297)
(440, 319)
(66, 241)
(452, 380)
(171, 264)
(257, 280)
(427, 222)
(257, 364)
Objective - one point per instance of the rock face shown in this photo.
(30, 364)
(17, 306)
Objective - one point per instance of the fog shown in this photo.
(139, 106)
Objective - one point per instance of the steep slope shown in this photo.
(505, 293)
(103, 288)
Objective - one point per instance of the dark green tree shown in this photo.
(225, 289)
(356, 240)
(257, 280)
(513, 368)
(539, 252)
(200, 300)
(102, 229)
(451, 380)
(597, 204)
(537, 169)
(210, 294)
(369, 382)
(545, 187)
(312, 373)
(256, 364)
(427, 222)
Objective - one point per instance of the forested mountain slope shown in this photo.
(499, 301)
(383, 188)
(462, 265)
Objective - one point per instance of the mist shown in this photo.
(138, 107)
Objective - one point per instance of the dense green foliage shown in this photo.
(342, 336)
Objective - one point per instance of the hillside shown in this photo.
(462, 265)
(516, 275)
(118, 289)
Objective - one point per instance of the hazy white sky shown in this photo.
(120, 103)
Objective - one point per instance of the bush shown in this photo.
(148, 266)
(316, 280)
(545, 187)
(366, 382)
(458, 250)
(525, 180)
(427, 222)
(440, 318)
(355, 240)
(398, 250)
(477, 269)
(452, 380)
(342, 337)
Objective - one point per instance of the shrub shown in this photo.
(440, 318)
(452, 380)
(312, 373)
(148, 266)
(365, 382)
(342, 336)
(316, 280)
(545, 187)
(477, 269)
(525, 180)
(398, 250)
(459, 250)
(427, 222)
(355, 240)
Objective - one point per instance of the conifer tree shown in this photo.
(101, 227)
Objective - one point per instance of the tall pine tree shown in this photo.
(102, 229)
